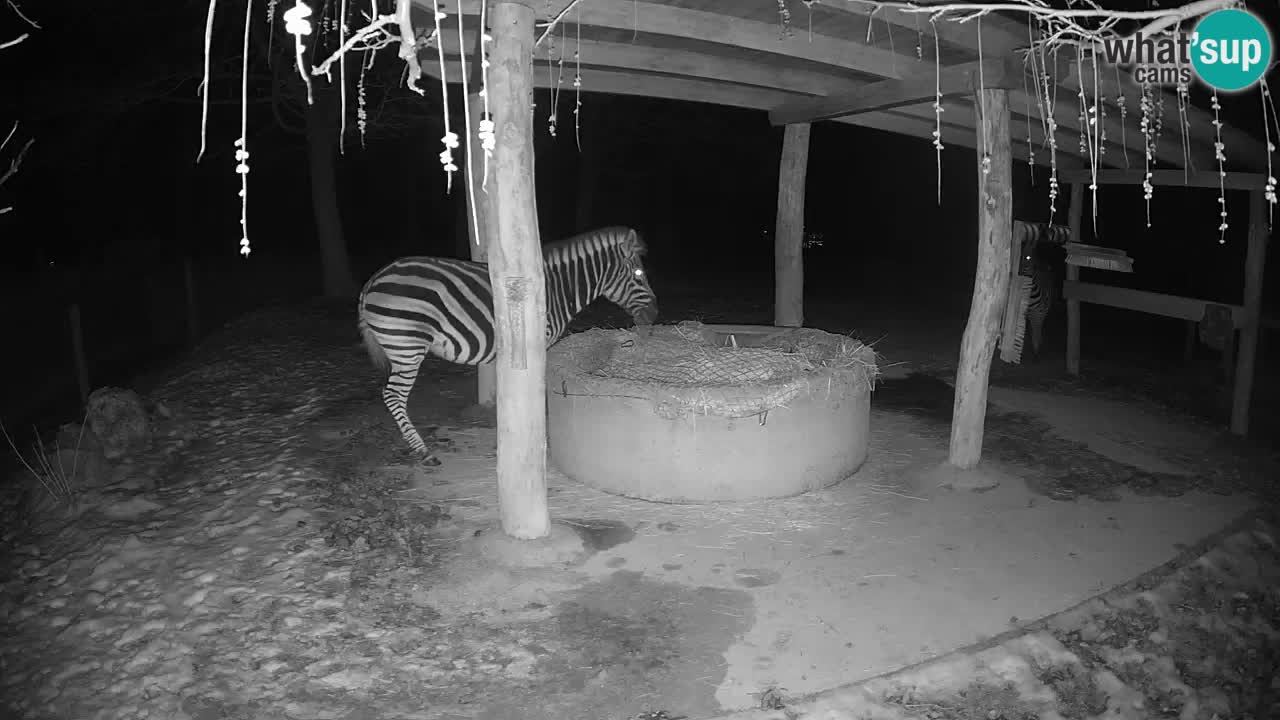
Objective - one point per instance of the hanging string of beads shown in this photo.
(1088, 128)
(1031, 146)
(982, 86)
(1099, 106)
(1267, 105)
(466, 120)
(937, 106)
(450, 138)
(1047, 108)
(242, 142)
(1219, 153)
(1083, 118)
(488, 141)
(1184, 123)
(1149, 144)
(919, 38)
(1031, 56)
(577, 83)
(555, 79)
(342, 79)
(362, 102)
(1124, 114)
(297, 24)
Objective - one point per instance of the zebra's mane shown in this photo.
(592, 242)
(1043, 233)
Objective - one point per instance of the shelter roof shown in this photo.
(881, 62)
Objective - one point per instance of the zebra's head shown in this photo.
(625, 282)
(600, 263)
(1042, 244)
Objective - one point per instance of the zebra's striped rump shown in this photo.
(420, 306)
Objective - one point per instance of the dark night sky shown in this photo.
(113, 173)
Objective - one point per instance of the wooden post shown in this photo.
(1254, 264)
(519, 287)
(1229, 356)
(1075, 213)
(480, 195)
(991, 281)
(77, 350)
(189, 285)
(788, 243)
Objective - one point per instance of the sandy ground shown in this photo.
(272, 556)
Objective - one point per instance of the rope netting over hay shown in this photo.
(694, 368)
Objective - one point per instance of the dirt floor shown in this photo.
(276, 555)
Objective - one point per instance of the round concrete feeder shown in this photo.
(650, 415)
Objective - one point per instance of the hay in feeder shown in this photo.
(692, 368)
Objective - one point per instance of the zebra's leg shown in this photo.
(396, 397)
(1037, 336)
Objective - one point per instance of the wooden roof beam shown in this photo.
(955, 81)
(748, 73)
(712, 28)
(1170, 178)
(715, 28)
(752, 73)
(1000, 34)
(953, 134)
(613, 82)
(686, 63)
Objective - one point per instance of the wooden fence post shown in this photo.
(1255, 264)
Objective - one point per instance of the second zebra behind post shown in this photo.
(1041, 256)
(420, 306)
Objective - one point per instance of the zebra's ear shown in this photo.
(635, 243)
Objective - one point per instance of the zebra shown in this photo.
(419, 306)
(1036, 265)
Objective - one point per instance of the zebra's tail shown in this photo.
(376, 353)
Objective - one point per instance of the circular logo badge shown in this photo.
(1232, 49)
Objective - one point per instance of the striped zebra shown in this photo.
(1040, 267)
(420, 306)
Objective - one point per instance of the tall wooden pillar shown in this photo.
(481, 199)
(515, 269)
(788, 242)
(991, 281)
(1075, 214)
(1254, 265)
